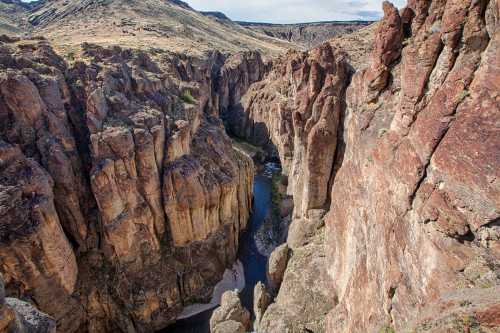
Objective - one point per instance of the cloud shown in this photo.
(294, 11)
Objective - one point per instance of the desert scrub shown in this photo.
(188, 98)
(70, 56)
(461, 96)
(387, 329)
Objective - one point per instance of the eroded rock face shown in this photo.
(20, 317)
(115, 161)
(230, 315)
(304, 298)
(261, 300)
(415, 203)
(276, 266)
(295, 110)
(35, 256)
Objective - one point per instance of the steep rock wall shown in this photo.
(295, 111)
(122, 197)
(413, 225)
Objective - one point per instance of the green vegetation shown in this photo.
(382, 132)
(188, 98)
(276, 195)
(70, 56)
(467, 324)
(461, 96)
(387, 329)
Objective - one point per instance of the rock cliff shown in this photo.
(20, 317)
(404, 158)
(413, 224)
(294, 112)
(122, 198)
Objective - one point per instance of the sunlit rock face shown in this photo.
(412, 231)
(405, 164)
(122, 198)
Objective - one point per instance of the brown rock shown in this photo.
(229, 326)
(35, 254)
(295, 111)
(276, 266)
(261, 300)
(231, 311)
(304, 296)
(100, 150)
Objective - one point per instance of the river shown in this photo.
(253, 262)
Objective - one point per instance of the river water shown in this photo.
(253, 262)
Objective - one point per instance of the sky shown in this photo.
(294, 11)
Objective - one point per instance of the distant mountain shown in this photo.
(306, 35)
(165, 24)
(13, 16)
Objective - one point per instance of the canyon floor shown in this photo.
(152, 157)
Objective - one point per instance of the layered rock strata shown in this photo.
(122, 198)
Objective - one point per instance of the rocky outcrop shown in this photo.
(121, 195)
(295, 111)
(407, 172)
(276, 266)
(412, 225)
(303, 299)
(261, 300)
(36, 257)
(230, 315)
(21, 317)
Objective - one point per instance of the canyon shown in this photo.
(128, 155)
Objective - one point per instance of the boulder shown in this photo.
(261, 300)
(276, 266)
(230, 310)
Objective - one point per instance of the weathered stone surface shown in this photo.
(32, 320)
(21, 317)
(34, 115)
(261, 300)
(276, 266)
(303, 299)
(295, 111)
(110, 149)
(229, 326)
(231, 311)
(35, 255)
(415, 201)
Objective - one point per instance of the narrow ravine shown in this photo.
(253, 261)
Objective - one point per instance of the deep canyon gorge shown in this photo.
(139, 151)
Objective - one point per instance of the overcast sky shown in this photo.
(294, 11)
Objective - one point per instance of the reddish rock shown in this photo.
(415, 201)
(295, 111)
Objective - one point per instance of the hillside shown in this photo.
(13, 17)
(169, 25)
(306, 35)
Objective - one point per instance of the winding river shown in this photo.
(253, 262)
